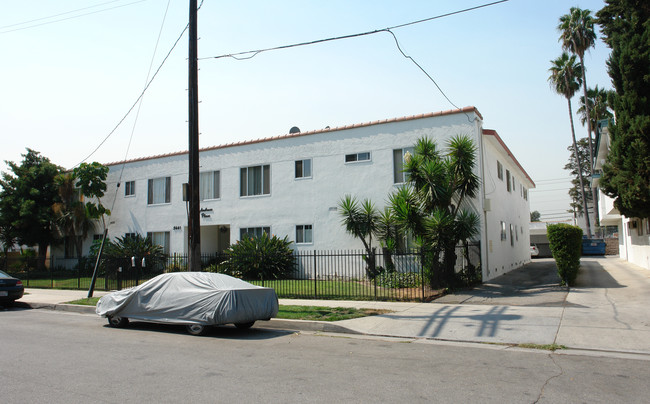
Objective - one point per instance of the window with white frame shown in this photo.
(304, 234)
(209, 185)
(357, 157)
(130, 235)
(250, 232)
(129, 188)
(255, 180)
(512, 236)
(303, 168)
(499, 170)
(399, 159)
(159, 190)
(503, 231)
(160, 238)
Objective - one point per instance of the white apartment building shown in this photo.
(291, 186)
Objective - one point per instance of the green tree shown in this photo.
(26, 201)
(575, 191)
(577, 35)
(125, 251)
(265, 257)
(626, 174)
(431, 206)
(535, 216)
(565, 79)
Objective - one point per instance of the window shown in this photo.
(399, 159)
(130, 235)
(525, 194)
(303, 168)
(159, 190)
(255, 180)
(352, 158)
(508, 180)
(513, 184)
(503, 231)
(69, 247)
(97, 237)
(253, 232)
(499, 170)
(512, 238)
(160, 238)
(129, 188)
(304, 234)
(209, 185)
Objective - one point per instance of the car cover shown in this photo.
(192, 298)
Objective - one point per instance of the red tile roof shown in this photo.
(491, 132)
(313, 132)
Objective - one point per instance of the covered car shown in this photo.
(194, 299)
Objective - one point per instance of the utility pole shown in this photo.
(194, 221)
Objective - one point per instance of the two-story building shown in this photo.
(291, 185)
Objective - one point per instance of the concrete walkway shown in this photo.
(606, 311)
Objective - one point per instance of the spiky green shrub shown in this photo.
(260, 258)
(119, 253)
(566, 246)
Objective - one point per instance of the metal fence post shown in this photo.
(422, 271)
(315, 277)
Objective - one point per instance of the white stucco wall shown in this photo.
(508, 207)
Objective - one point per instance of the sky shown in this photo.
(71, 70)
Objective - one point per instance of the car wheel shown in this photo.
(196, 329)
(117, 321)
(244, 326)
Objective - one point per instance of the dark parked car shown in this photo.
(197, 300)
(11, 289)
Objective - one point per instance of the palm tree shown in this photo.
(361, 221)
(565, 79)
(432, 206)
(577, 36)
(72, 219)
(598, 107)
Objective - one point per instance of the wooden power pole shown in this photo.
(194, 220)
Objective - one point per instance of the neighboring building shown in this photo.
(291, 186)
(633, 233)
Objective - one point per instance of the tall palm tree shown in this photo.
(577, 35)
(565, 79)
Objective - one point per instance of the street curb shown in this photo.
(275, 323)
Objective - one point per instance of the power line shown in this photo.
(67, 18)
(253, 53)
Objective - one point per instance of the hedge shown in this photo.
(566, 246)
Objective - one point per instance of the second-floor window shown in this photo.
(129, 188)
(209, 185)
(303, 168)
(508, 184)
(356, 157)
(255, 180)
(399, 155)
(499, 170)
(159, 190)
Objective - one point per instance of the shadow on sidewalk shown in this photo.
(592, 274)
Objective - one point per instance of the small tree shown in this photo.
(361, 221)
(535, 216)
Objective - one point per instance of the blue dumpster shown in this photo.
(593, 246)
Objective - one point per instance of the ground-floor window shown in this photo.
(160, 238)
(250, 232)
(304, 234)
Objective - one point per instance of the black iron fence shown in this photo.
(345, 275)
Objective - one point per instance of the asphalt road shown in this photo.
(59, 357)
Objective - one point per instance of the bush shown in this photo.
(260, 258)
(392, 279)
(566, 245)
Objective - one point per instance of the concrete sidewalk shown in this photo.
(606, 311)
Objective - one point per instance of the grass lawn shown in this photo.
(286, 288)
(294, 312)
